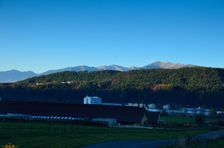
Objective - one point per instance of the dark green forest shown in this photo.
(193, 87)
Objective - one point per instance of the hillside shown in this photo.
(185, 87)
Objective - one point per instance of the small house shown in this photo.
(92, 100)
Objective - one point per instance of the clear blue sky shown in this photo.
(48, 34)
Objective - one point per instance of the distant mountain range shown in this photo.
(15, 75)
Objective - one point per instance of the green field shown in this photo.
(178, 119)
(184, 119)
(218, 143)
(35, 135)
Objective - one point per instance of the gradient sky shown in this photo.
(39, 35)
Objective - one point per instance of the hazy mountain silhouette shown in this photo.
(15, 75)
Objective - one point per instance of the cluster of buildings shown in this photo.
(181, 111)
(152, 107)
(169, 110)
(190, 111)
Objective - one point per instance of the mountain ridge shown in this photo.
(16, 75)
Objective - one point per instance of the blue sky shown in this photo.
(48, 34)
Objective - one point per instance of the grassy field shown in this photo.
(178, 119)
(36, 135)
(184, 119)
(219, 143)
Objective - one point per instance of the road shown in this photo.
(154, 143)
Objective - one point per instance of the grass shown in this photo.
(178, 119)
(36, 135)
(184, 119)
(218, 143)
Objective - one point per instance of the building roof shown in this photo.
(121, 113)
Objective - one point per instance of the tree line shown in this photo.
(196, 86)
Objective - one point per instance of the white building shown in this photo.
(196, 111)
(92, 100)
(151, 106)
(166, 107)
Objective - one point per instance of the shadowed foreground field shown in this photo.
(35, 135)
(218, 143)
(174, 120)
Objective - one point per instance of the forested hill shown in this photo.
(185, 87)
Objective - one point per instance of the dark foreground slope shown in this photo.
(44, 135)
(187, 86)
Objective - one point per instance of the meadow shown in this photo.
(175, 120)
(59, 135)
(218, 143)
